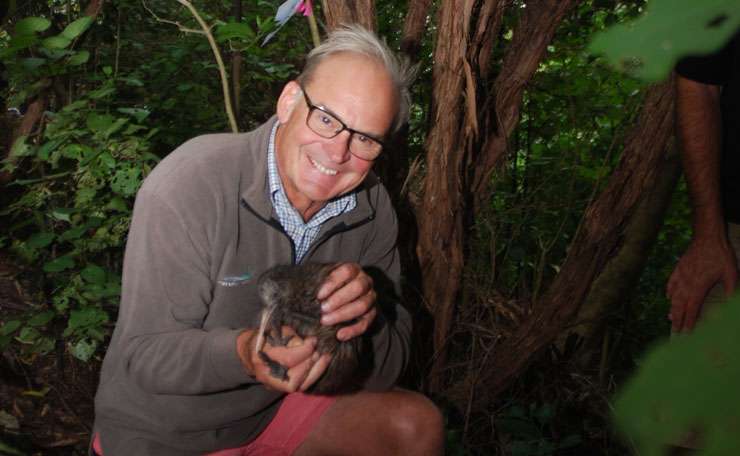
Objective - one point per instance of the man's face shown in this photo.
(314, 169)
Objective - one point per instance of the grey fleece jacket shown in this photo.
(203, 230)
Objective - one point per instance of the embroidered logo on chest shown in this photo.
(235, 281)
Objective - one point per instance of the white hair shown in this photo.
(358, 40)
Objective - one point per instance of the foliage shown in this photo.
(73, 215)
(685, 384)
(121, 93)
(669, 29)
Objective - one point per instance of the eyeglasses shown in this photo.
(327, 125)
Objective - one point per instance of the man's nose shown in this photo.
(338, 147)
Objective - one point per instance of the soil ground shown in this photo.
(46, 402)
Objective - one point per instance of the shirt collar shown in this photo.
(334, 207)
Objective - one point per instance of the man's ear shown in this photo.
(287, 101)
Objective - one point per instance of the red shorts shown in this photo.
(297, 415)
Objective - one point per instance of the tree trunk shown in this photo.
(621, 275)
(597, 241)
(468, 137)
(338, 12)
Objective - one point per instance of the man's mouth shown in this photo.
(322, 169)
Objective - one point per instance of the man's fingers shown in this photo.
(345, 283)
(691, 313)
(358, 328)
(351, 310)
(293, 355)
(317, 370)
(729, 280)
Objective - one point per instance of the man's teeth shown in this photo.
(323, 169)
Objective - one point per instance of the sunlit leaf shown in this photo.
(84, 349)
(668, 30)
(126, 181)
(79, 58)
(37, 393)
(77, 27)
(56, 42)
(29, 25)
(62, 213)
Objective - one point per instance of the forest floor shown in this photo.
(46, 401)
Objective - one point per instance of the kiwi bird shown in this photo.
(288, 294)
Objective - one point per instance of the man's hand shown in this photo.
(348, 294)
(303, 363)
(704, 264)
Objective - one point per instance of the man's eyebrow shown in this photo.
(374, 136)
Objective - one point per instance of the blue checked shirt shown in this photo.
(302, 233)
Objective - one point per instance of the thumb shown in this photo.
(729, 280)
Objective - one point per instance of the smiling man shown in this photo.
(183, 374)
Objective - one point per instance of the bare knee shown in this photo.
(416, 424)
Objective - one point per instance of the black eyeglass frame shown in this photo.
(312, 107)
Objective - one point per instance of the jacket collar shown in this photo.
(254, 187)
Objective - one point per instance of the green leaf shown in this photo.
(9, 327)
(117, 204)
(9, 422)
(56, 42)
(85, 318)
(117, 124)
(41, 318)
(77, 27)
(84, 196)
(133, 82)
(20, 148)
(59, 264)
(668, 30)
(40, 240)
(101, 92)
(28, 335)
(93, 274)
(79, 58)
(31, 63)
(689, 382)
(98, 123)
(5, 448)
(75, 105)
(126, 181)
(138, 113)
(30, 25)
(107, 160)
(62, 213)
(47, 148)
(234, 30)
(73, 233)
(84, 349)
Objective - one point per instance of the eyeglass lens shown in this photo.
(328, 126)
